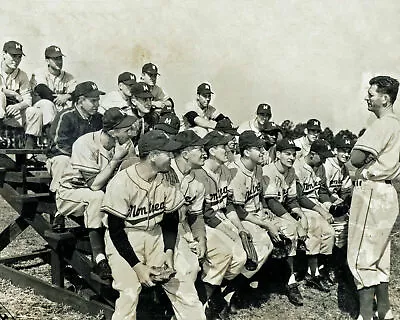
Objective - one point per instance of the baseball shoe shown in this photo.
(58, 224)
(293, 294)
(235, 303)
(318, 282)
(329, 276)
(103, 270)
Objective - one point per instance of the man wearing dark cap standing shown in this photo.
(263, 115)
(52, 87)
(15, 97)
(311, 133)
(69, 125)
(142, 220)
(160, 97)
(120, 98)
(95, 158)
(199, 114)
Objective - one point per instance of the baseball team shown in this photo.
(204, 201)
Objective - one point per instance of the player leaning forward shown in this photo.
(142, 209)
(374, 206)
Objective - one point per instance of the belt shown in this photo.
(359, 182)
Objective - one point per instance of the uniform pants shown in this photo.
(373, 212)
(149, 248)
(81, 201)
(56, 166)
(320, 235)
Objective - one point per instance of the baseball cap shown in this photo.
(141, 90)
(168, 123)
(248, 139)
(87, 89)
(264, 109)
(13, 47)
(225, 125)
(343, 142)
(189, 138)
(285, 144)
(114, 118)
(53, 52)
(322, 147)
(314, 124)
(166, 109)
(150, 68)
(204, 88)
(127, 78)
(215, 138)
(271, 126)
(156, 140)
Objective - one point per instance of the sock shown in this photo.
(292, 279)
(382, 299)
(313, 266)
(96, 242)
(366, 296)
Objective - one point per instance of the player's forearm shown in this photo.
(169, 227)
(254, 219)
(104, 176)
(201, 122)
(197, 225)
(276, 207)
(233, 217)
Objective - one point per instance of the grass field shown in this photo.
(266, 302)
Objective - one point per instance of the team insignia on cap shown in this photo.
(347, 141)
(56, 49)
(316, 123)
(146, 88)
(167, 120)
(207, 87)
(132, 77)
(154, 67)
(94, 87)
(265, 107)
(290, 142)
(18, 46)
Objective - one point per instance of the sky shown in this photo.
(306, 58)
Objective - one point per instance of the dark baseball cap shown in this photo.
(314, 124)
(285, 144)
(13, 47)
(141, 90)
(127, 78)
(157, 140)
(168, 123)
(204, 88)
(114, 118)
(150, 68)
(271, 126)
(249, 139)
(343, 142)
(225, 125)
(322, 147)
(264, 109)
(87, 89)
(189, 138)
(215, 138)
(53, 52)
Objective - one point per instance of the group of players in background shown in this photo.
(191, 192)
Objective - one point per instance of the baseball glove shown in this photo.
(162, 274)
(248, 246)
(282, 248)
(338, 210)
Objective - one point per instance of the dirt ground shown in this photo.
(266, 302)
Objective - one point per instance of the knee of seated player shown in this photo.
(47, 109)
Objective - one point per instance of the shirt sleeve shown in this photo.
(25, 89)
(117, 198)
(174, 198)
(237, 188)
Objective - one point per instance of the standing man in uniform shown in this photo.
(52, 87)
(142, 211)
(263, 115)
(15, 97)
(120, 98)
(311, 133)
(374, 206)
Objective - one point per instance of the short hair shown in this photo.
(386, 85)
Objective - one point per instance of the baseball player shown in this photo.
(225, 126)
(263, 115)
(69, 125)
(161, 98)
(279, 189)
(199, 114)
(15, 97)
(321, 235)
(270, 133)
(94, 160)
(245, 192)
(169, 123)
(52, 87)
(120, 98)
(141, 207)
(374, 205)
(311, 133)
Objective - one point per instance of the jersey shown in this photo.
(141, 204)
(249, 125)
(277, 185)
(209, 113)
(304, 144)
(159, 94)
(382, 140)
(16, 81)
(307, 179)
(245, 187)
(115, 99)
(337, 178)
(61, 84)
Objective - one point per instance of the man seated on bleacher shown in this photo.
(95, 158)
(69, 125)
